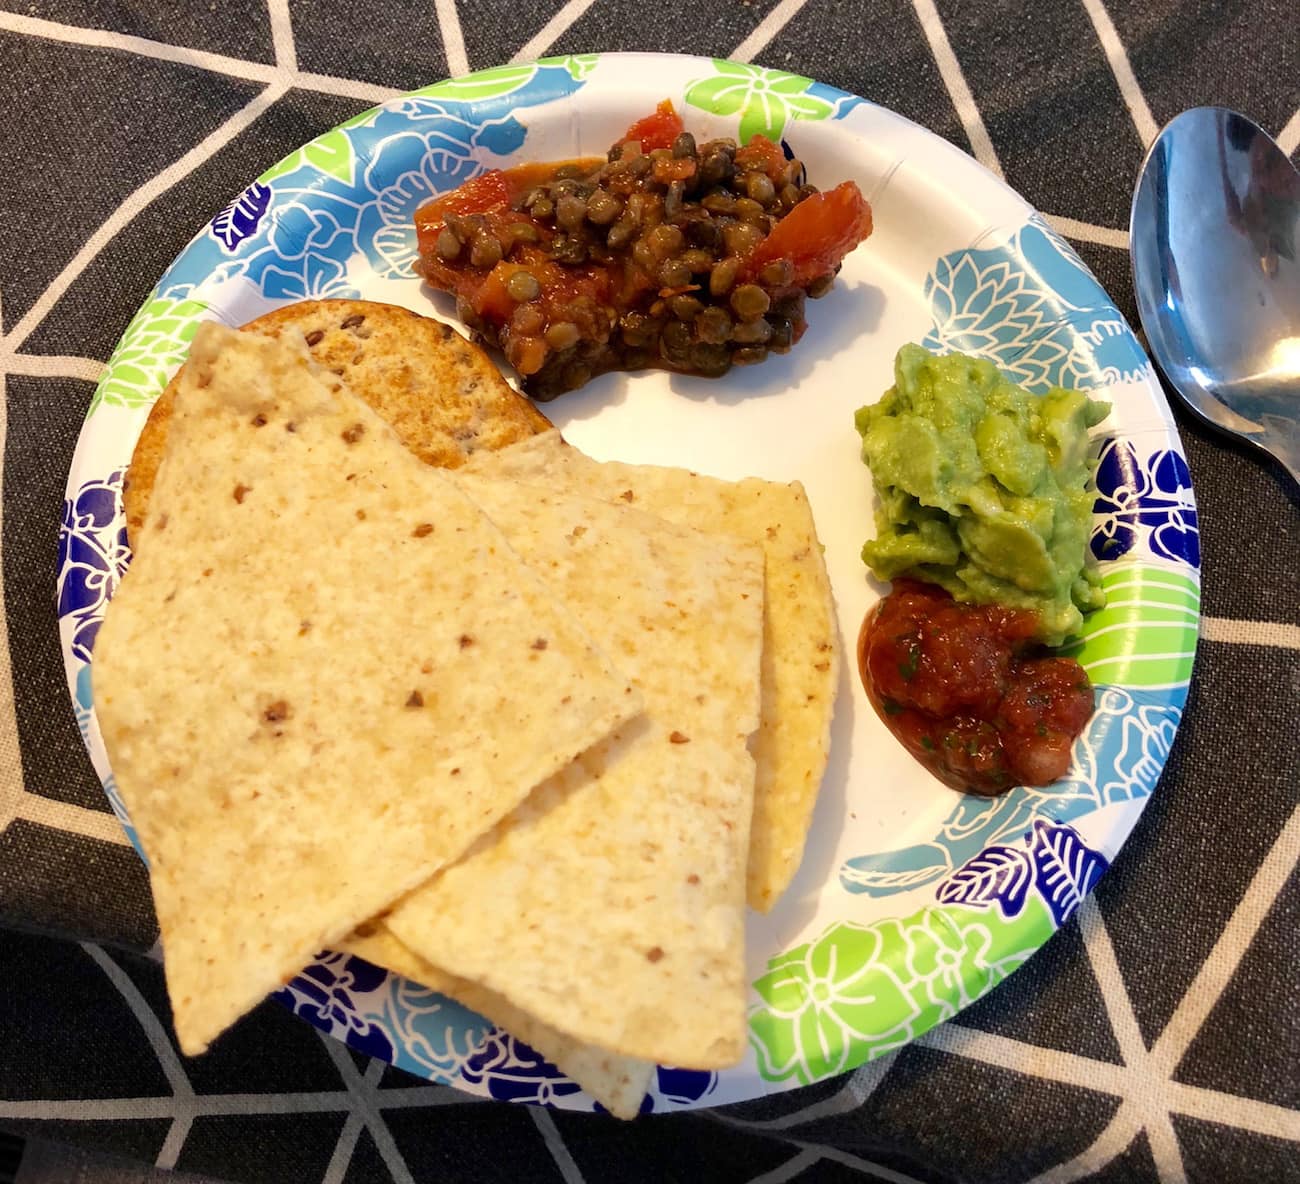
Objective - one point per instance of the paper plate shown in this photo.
(912, 901)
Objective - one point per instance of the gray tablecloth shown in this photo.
(1156, 1037)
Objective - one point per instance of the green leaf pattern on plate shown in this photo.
(1145, 636)
(152, 348)
(579, 65)
(483, 85)
(860, 990)
(330, 154)
(765, 99)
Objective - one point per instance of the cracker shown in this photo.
(441, 394)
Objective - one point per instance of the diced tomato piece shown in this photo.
(817, 234)
(658, 130)
(487, 191)
(491, 300)
(762, 153)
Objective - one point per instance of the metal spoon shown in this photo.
(1215, 240)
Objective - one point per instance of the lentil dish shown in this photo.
(666, 253)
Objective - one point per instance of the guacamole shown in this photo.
(981, 487)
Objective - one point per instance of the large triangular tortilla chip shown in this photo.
(801, 650)
(303, 678)
(610, 905)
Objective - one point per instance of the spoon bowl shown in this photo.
(1214, 235)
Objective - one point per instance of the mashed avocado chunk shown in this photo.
(981, 487)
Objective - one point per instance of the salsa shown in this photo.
(665, 253)
(968, 691)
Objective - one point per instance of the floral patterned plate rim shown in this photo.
(911, 901)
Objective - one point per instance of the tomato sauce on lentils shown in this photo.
(666, 253)
(967, 691)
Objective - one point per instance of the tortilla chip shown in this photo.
(610, 905)
(301, 680)
(801, 650)
(617, 1083)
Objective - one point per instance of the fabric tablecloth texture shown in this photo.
(1156, 1037)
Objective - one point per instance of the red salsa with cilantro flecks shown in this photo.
(968, 691)
(664, 253)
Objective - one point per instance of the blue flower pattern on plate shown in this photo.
(1144, 495)
(327, 994)
(296, 237)
(1032, 307)
(1118, 758)
(241, 218)
(1000, 874)
(513, 1072)
(93, 557)
(435, 1035)
(1060, 867)
(685, 1086)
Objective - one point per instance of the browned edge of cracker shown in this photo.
(441, 393)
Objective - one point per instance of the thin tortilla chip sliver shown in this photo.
(617, 1083)
(301, 680)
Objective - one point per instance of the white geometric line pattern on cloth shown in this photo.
(794, 1166)
(766, 29)
(1288, 139)
(365, 1092)
(873, 1170)
(286, 53)
(1117, 56)
(1217, 970)
(554, 1141)
(1235, 632)
(214, 63)
(1050, 1064)
(168, 1061)
(12, 788)
(551, 32)
(962, 100)
(67, 817)
(341, 1157)
(1145, 1080)
(811, 1154)
(453, 39)
(1116, 1138)
(51, 366)
(1146, 1101)
(1086, 232)
(209, 1105)
(860, 1086)
(158, 184)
